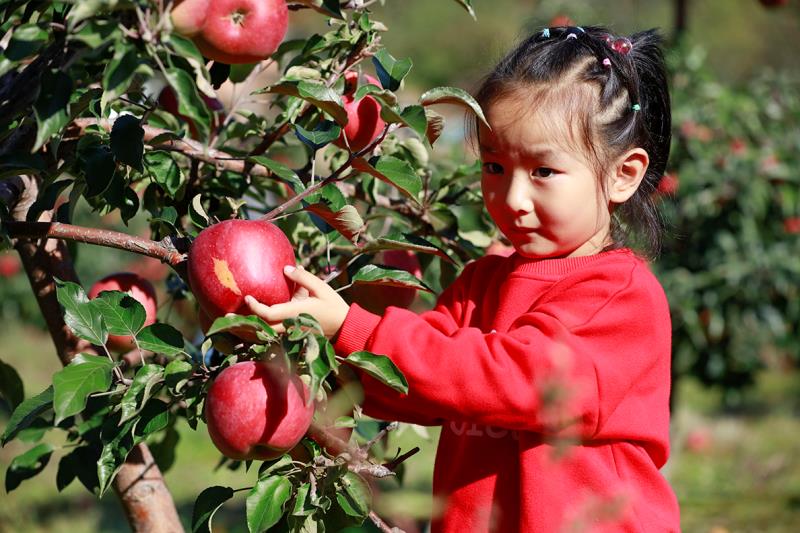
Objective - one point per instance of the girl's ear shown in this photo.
(627, 174)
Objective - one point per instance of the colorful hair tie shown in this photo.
(546, 33)
(606, 62)
(622, 45)
(636, 107)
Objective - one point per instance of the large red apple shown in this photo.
(364, 122)
(257, 410)
(141, 290)
(229, 260)
(233, 31)
(169, 102)
(376, 298)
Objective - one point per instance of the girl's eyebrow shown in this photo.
(536, 153)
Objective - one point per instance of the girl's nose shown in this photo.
(519, 197)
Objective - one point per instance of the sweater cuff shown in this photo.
(356, 330)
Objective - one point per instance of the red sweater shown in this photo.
(551, 381)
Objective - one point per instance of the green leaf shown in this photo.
(73, 384)
(176, 371)
(26, 412)
(11, 388)
(453, 95)
(26, 40)
(265, 502)
(154, 417)
(356, 498)
(390, 71)
(404, 241)
(127, 141)
(282, 171)
(346, 220)
(27, 465)
(139, 391)
(302, 502)
(189, 102)
(414, 117)
(318, 367)
(467, 4)
(79, 314)
(197, 214)
(117, 443)
(381, 368)
(164, 450)
(317, 94)
(392, 277)
(395, 172)
(206, 505)
(325, 133)
(161, 338)
(51, 106)
(119, 73)
(122, 313)
(99, 167)
(165, 171)
(252, 322)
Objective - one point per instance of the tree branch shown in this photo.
(164, 250)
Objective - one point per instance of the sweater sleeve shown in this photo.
(566, 365)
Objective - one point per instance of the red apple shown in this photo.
(9, 265)
(232, 31)
(699, 440)
(364, 122)
(257, 410)
(669, 184)
(141, 290)
(168, 101)
(234, 258)
(376, 298)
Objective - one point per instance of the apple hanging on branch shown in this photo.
(232, 31)
(257, 410)
(364, 122)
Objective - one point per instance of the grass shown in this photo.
(732, 471)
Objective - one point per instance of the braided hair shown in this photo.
(612, 101)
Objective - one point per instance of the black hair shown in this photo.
(622, 103)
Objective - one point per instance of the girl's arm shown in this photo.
(593, 361)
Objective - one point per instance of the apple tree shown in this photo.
(112, 106)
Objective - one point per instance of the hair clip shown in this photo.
(622, 45)
(546, 33)
(581, 29)
(636, 107)
(606, 62)
(572, 36)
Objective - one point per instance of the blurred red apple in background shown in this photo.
(257, 410)
(9, 265)
(138, 288)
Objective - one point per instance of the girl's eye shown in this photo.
(492, 168)
(543, 172)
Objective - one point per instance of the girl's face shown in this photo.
(544, 197)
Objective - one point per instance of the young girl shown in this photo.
(568, 339)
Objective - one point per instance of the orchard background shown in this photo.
(71, 71)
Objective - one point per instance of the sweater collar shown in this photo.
(562, 265)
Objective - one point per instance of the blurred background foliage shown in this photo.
(730, 264)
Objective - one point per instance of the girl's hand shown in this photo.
(312, 296)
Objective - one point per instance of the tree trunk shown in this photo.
(147, 502)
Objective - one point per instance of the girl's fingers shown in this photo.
(305, 279)
(257, 307)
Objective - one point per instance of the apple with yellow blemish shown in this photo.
(234, 258)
